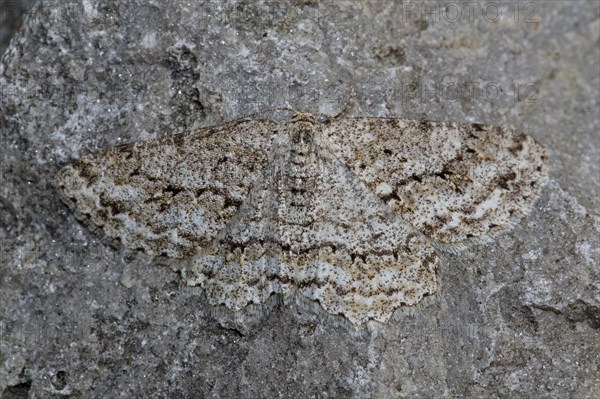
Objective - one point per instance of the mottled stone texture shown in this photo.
(516, 318)
(11, 18)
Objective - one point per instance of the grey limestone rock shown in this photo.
(515, 318)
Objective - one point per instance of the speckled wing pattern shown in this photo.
(454, 182)
(310, 226)
(341, 213)
(247, 262)
(172, 195)
(360, 259)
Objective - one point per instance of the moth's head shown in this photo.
(306, 117)
(302, 128)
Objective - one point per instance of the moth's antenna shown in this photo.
(328, 118)
(266, 111)
(347, 108)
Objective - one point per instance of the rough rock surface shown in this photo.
(518, 318)
(11, 18)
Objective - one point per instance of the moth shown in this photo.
(347, 212)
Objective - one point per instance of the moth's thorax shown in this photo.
(303, 144)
